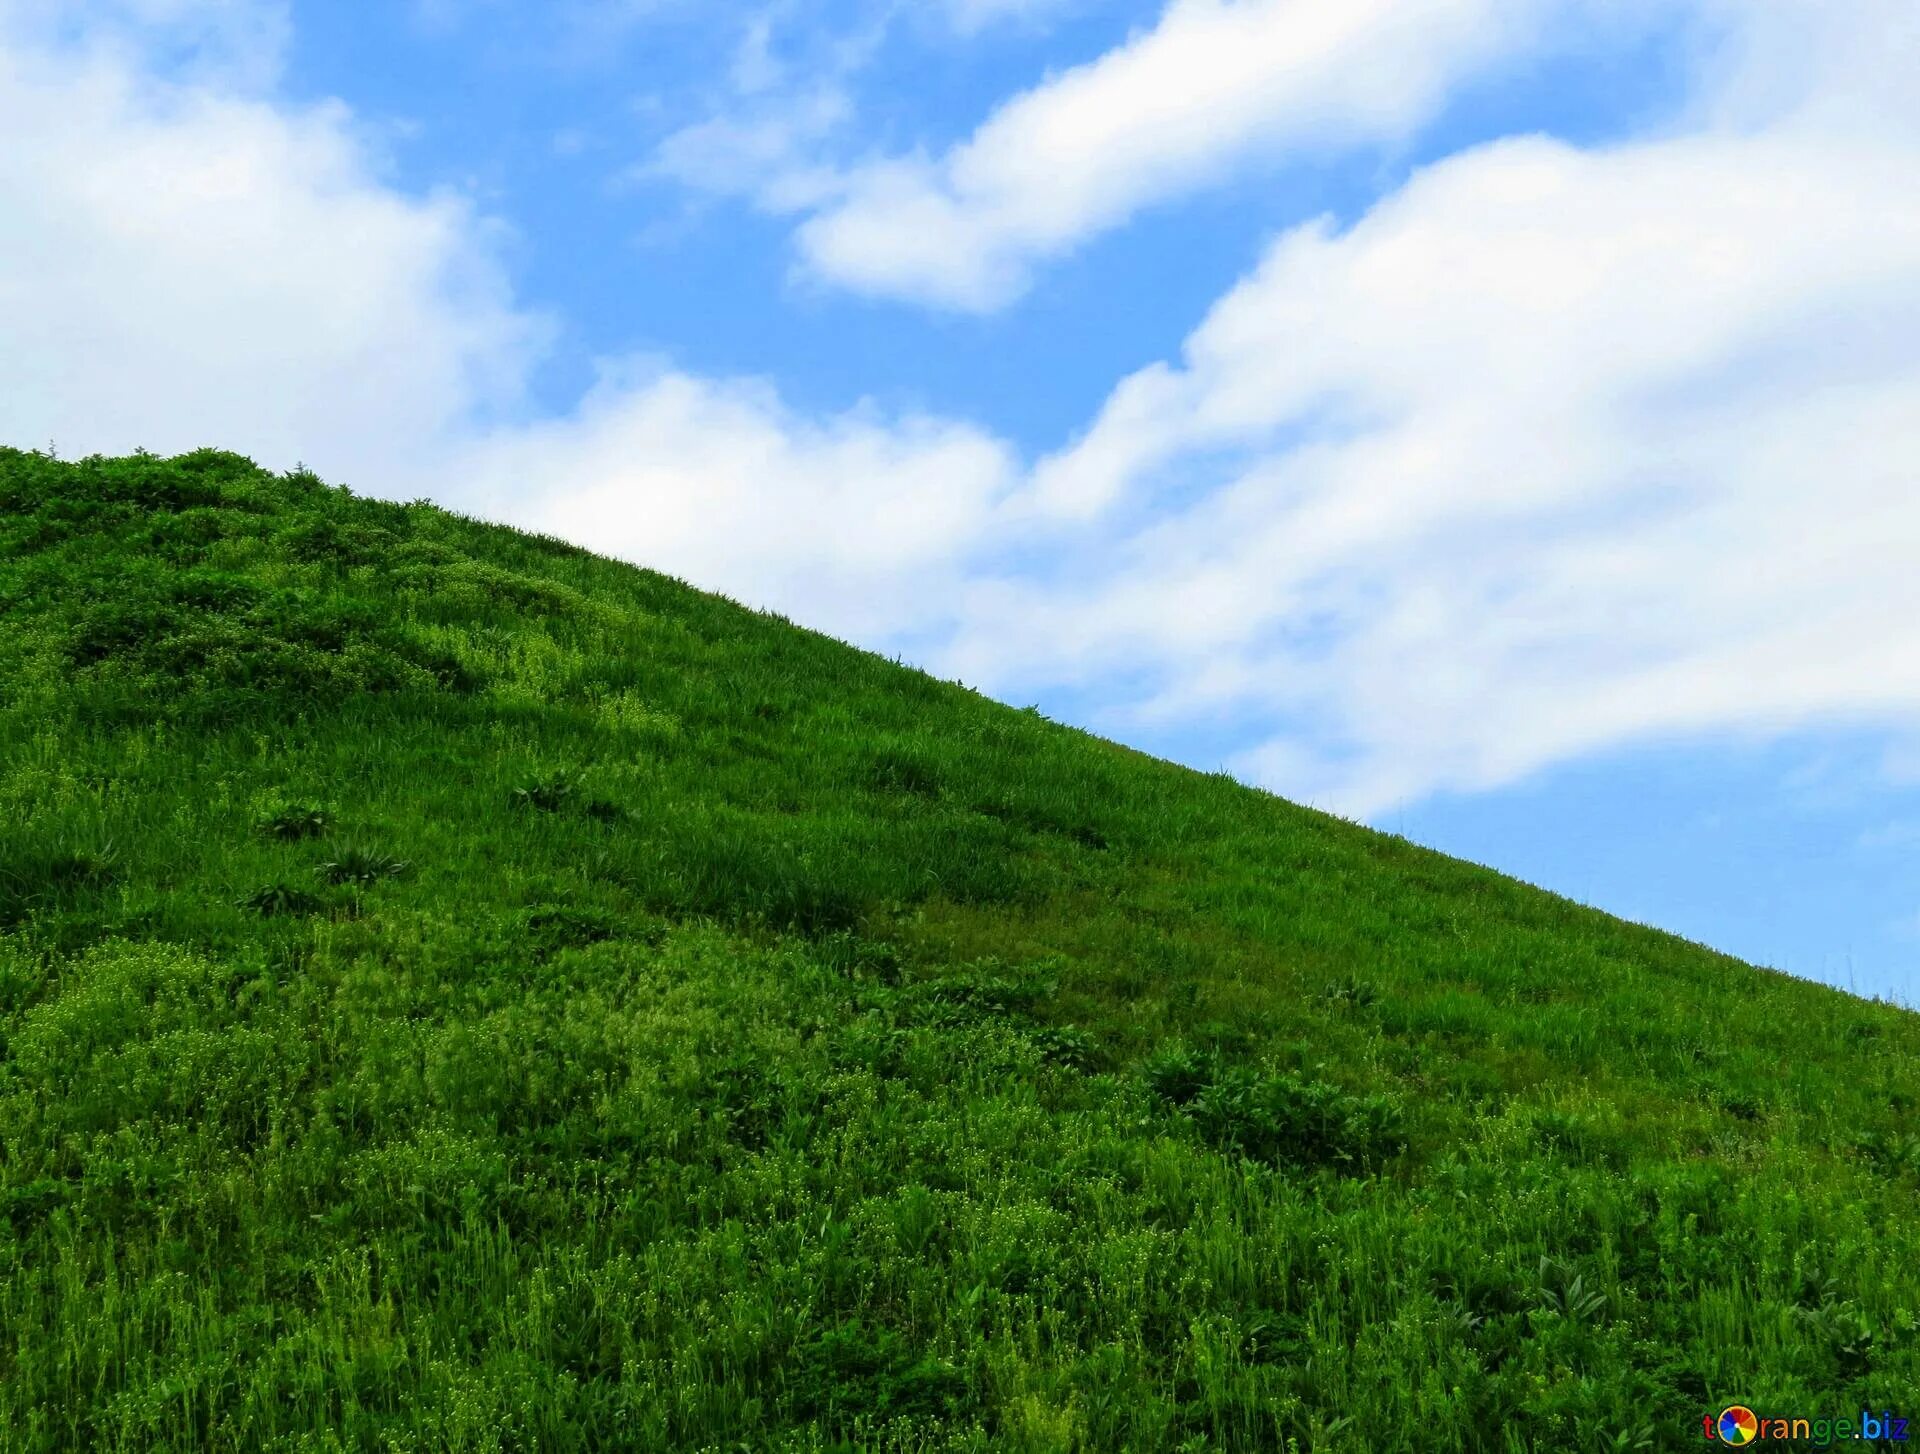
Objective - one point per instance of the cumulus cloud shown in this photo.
(860, 523)
(1176, 107)
(1554, 450)
(183, 263)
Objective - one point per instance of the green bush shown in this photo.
(1288, 1120)
(296, 821)
(360, 866)
(281, 900)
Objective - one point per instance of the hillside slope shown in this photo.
(457, 992)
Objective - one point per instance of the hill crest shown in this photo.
(461, 992)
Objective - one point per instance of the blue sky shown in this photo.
(1495, 419)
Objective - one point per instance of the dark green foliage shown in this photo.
(548, 794)
(1352, 992)
(296, 821)
(559, 791)
(37, 875)
(983, 991)
(827, 1059)
(1283, 1119)
(281, 899)
(558, 927)
(1066, 1045)
(362, 866)
(896, 770)
(1895, 1152)
(1177, 1075)
(860, 958)
(855, 1374)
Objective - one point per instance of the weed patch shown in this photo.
(295, 821)
(1282, 1119)
(281, 901)
(359, 866)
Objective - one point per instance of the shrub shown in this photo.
(1285, 1119)
(295, 821)
(360, 866)
(280, 900)
(1176, 1074)
(547, 794)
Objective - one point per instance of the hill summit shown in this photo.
(461, 993)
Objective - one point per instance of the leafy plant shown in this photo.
(1289, 1120)
(1278, 1118)
(360, 866)
(558, 791)
(558, 927)
(857, 1369)
(548, 794)
(1351, 992)
(280, 900)
(296, 821)
(1066, 1045)
(1177, 1074)
(1564, 1293)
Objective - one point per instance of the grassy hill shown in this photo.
(457, 992)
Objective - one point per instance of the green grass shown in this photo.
(460, 993)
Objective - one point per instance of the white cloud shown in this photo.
(1169, 111)
(765, 149)
(1555, 450)
(183, 264)
(859, 524)
(235, 44)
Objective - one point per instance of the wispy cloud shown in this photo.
(236, 45)
(777, 134)
(1173, 109)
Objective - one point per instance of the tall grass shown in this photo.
(460, 993)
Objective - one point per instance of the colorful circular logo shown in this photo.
(1738, 1425)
